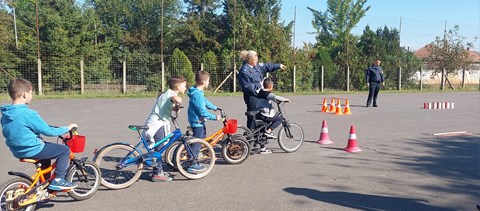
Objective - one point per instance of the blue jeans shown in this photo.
(198, 132)
(159, 135)
(59, 152)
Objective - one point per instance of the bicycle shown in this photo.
(290, 136)
(122, 163)
(235, 149)
(23, 192)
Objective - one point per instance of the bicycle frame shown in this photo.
(172, 137)
(281, 113)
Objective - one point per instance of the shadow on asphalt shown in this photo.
(455, 158)
(363, 201)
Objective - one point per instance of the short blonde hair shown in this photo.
(247, 55)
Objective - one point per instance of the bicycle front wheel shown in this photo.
(290, 137)
(114, 175)
(87, 179)
(204, 161)
(10, 191)
(169, 155)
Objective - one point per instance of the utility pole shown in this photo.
(161, 50)
(234, 41)
(15, 27)
(39, 62)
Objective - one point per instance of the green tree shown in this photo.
(181, 65)
(8, 59)
(449, 52)
(334, 32)
(135, 25)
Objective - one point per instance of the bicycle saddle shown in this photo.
(27, 160)
(252, 113)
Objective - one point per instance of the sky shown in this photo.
(421, 20)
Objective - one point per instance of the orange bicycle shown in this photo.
(24, 192)
(235, 149)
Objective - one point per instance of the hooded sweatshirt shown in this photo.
(22, 127)
(197, 108)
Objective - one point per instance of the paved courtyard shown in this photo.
(402, 165)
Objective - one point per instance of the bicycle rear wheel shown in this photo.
(235, 149)
(11, 190)
(169, 155)
(115, 176)
(205, 158)
(87, 180)
(290, 137)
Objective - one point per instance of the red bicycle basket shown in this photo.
(77, 143)
(231, 126)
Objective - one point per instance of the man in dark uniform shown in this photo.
(373, 78)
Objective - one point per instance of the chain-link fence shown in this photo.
(146, 73)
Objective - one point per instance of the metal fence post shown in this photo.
(201, 66)
(348, 78)
(400, 78)
(82, 78)
(124, 87)
(294, 78)
(163, 76)
(39, 74)
(322, 79)
(442, 86)
(234, 77)
(463, 79)
(421, 76)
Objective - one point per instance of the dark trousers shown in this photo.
(159, 135)
(59, 152)
(275, 120)
(251, 102)
(201, 133)
(373, 93)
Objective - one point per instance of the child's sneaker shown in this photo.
(61, 184)
(161, 177)
(265, 151)
(270, 135)
(194, 168)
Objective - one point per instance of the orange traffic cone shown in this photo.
(347, 108)
(332, 106)
(352, 145)
(324, 107)
(339, 108)
(324, 139)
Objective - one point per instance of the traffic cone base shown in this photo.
(324, 139)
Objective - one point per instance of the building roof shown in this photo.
(425, 51)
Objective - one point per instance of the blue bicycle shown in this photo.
(122, 163)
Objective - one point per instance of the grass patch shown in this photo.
(116, 94)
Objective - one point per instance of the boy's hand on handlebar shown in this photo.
(287, 100)
(219, 117)
(72, 126)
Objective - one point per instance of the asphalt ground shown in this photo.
(402, 165)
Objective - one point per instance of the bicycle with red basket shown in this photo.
(23, 192)
(235, 148)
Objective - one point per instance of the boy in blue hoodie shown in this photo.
(198, 113)
(22, 127)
